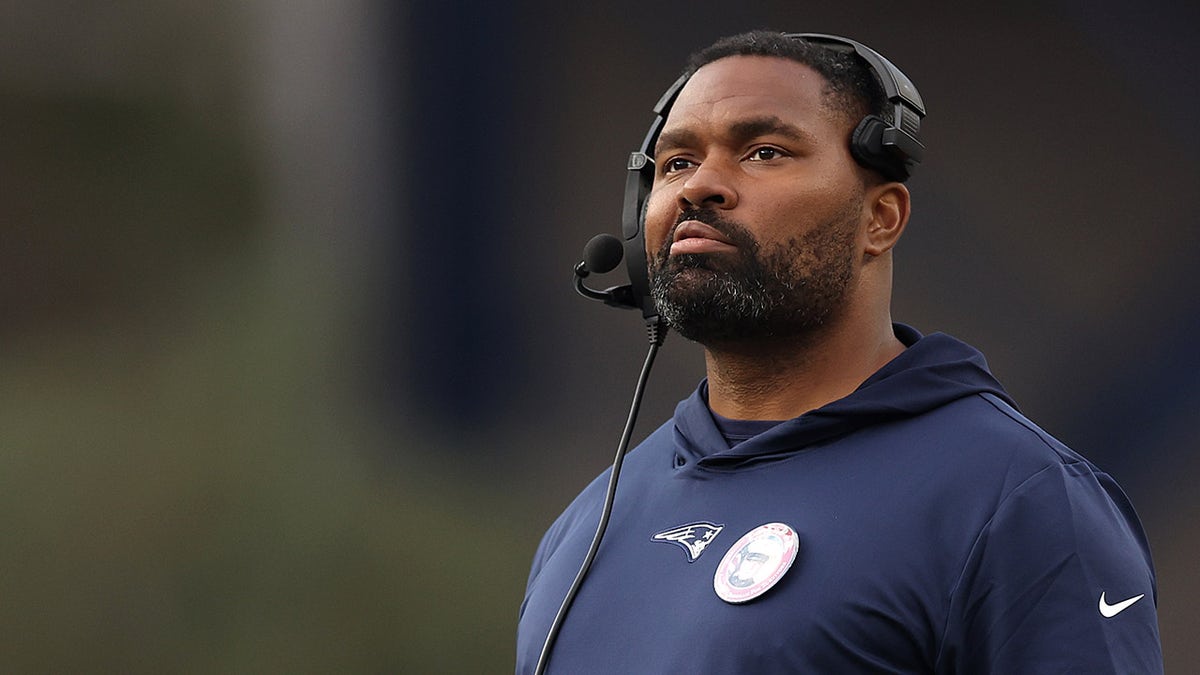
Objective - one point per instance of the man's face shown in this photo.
(752, 227)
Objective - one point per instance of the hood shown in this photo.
(934, 370)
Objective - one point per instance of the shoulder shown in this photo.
(981, 439)
(1003, 474)
(1057, 537)
(583, 513)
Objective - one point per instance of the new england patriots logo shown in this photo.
(693, 538)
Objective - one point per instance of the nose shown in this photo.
(709, 185)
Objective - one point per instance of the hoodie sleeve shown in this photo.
(1058, 581)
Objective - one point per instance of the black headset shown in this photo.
(890, 146)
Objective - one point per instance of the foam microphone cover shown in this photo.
(603, 253)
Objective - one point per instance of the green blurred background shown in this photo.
(292, 377)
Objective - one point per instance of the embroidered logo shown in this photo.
(756, 562)
(693, 538)
(1109, 611)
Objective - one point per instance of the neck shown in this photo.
(782, 378)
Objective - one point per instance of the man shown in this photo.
(841, 494)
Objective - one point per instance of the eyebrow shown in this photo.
(739, 132)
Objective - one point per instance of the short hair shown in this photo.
(851, 88)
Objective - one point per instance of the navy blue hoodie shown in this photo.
(939, 531)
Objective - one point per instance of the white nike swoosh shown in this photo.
(1109, 611)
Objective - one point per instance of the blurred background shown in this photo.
(292, 374)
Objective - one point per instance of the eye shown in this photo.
(764, 154)
(677, 164)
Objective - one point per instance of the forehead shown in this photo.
(736, 87)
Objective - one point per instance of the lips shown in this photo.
(693, 236)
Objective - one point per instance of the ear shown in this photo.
(889, 204)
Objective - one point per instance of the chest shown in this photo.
(868, 588)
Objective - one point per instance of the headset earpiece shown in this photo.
(893, 148)
(867, 148)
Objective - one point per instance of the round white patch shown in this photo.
(756, 562)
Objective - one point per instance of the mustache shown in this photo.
(736, 233)
(709, 217)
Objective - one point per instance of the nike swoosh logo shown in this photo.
(1109, 611)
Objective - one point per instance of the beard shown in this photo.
(785, 290)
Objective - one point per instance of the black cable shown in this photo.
(657, 333)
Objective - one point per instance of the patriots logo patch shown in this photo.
(693, 538)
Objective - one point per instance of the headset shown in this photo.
(890, 146)
(889, 143)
